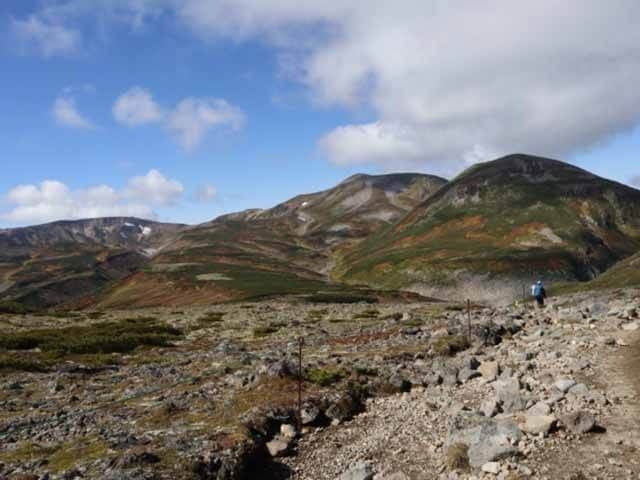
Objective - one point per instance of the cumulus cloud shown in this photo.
(66, 114)
(206, 193)
(188, 122)
(136, 107)
(154, 188)
(45, 37)
(53, 200)
(451, 82)
(192, 118)
(442, 84)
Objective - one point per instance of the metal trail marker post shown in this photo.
(468, 320)
(300, 344)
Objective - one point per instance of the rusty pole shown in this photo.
(468, 320)
(300, 344)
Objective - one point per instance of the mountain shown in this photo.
(502, 223)
(49, 264)
(289, 248)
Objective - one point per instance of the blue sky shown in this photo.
(185, 110)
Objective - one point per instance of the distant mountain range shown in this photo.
(496, 225)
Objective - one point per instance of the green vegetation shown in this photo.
(458, 457)
(107, 337)
(13, 362)
(367, 314)
(60, 457)
(330, 297)
(13, 308)
(211, 317)
(414, 322)
(339, 320)
(324, 376)
(449, 345)
(317, 315)
(259, 332)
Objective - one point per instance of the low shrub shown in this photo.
(211, 317)
(264, 331)
(458, 457)
(21, 364)
(449, 345)
(13, 308)
(108, 337)
(370, 313)
(324, 376)
(340, 298)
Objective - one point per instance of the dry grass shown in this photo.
(458, 457)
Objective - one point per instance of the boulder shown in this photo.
(360, 471)
(488, 439)
(564, 384)
(535, 424)
(540, 408)
(310, 414)
(489, 370)
(288, 431)
(431, 379)
(491, 467)
(490, 407)
(578, 422)
(466, 374)
(279, 446)
(344, 408)
(509, 394)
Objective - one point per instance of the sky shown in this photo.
(182, 110)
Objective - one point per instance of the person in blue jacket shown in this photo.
(539, 293)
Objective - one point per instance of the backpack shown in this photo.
(537, 291)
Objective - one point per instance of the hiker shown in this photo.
(539, 293)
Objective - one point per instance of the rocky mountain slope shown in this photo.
(389, 391)
(285, 249)
(517, 217)
(49, 264)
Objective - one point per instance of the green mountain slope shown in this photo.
(517, 217)
(285, 249)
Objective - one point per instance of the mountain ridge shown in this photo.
(505, 220)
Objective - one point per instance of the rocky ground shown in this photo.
(390, 391)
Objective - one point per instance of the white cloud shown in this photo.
(442, 83)
(154, 188)
(372, 142)
(188, 122)
(53, 200)
(66, 114)
(206, 193)
(136, 107)
(192, 118)
(450, 82)
(47, 38)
